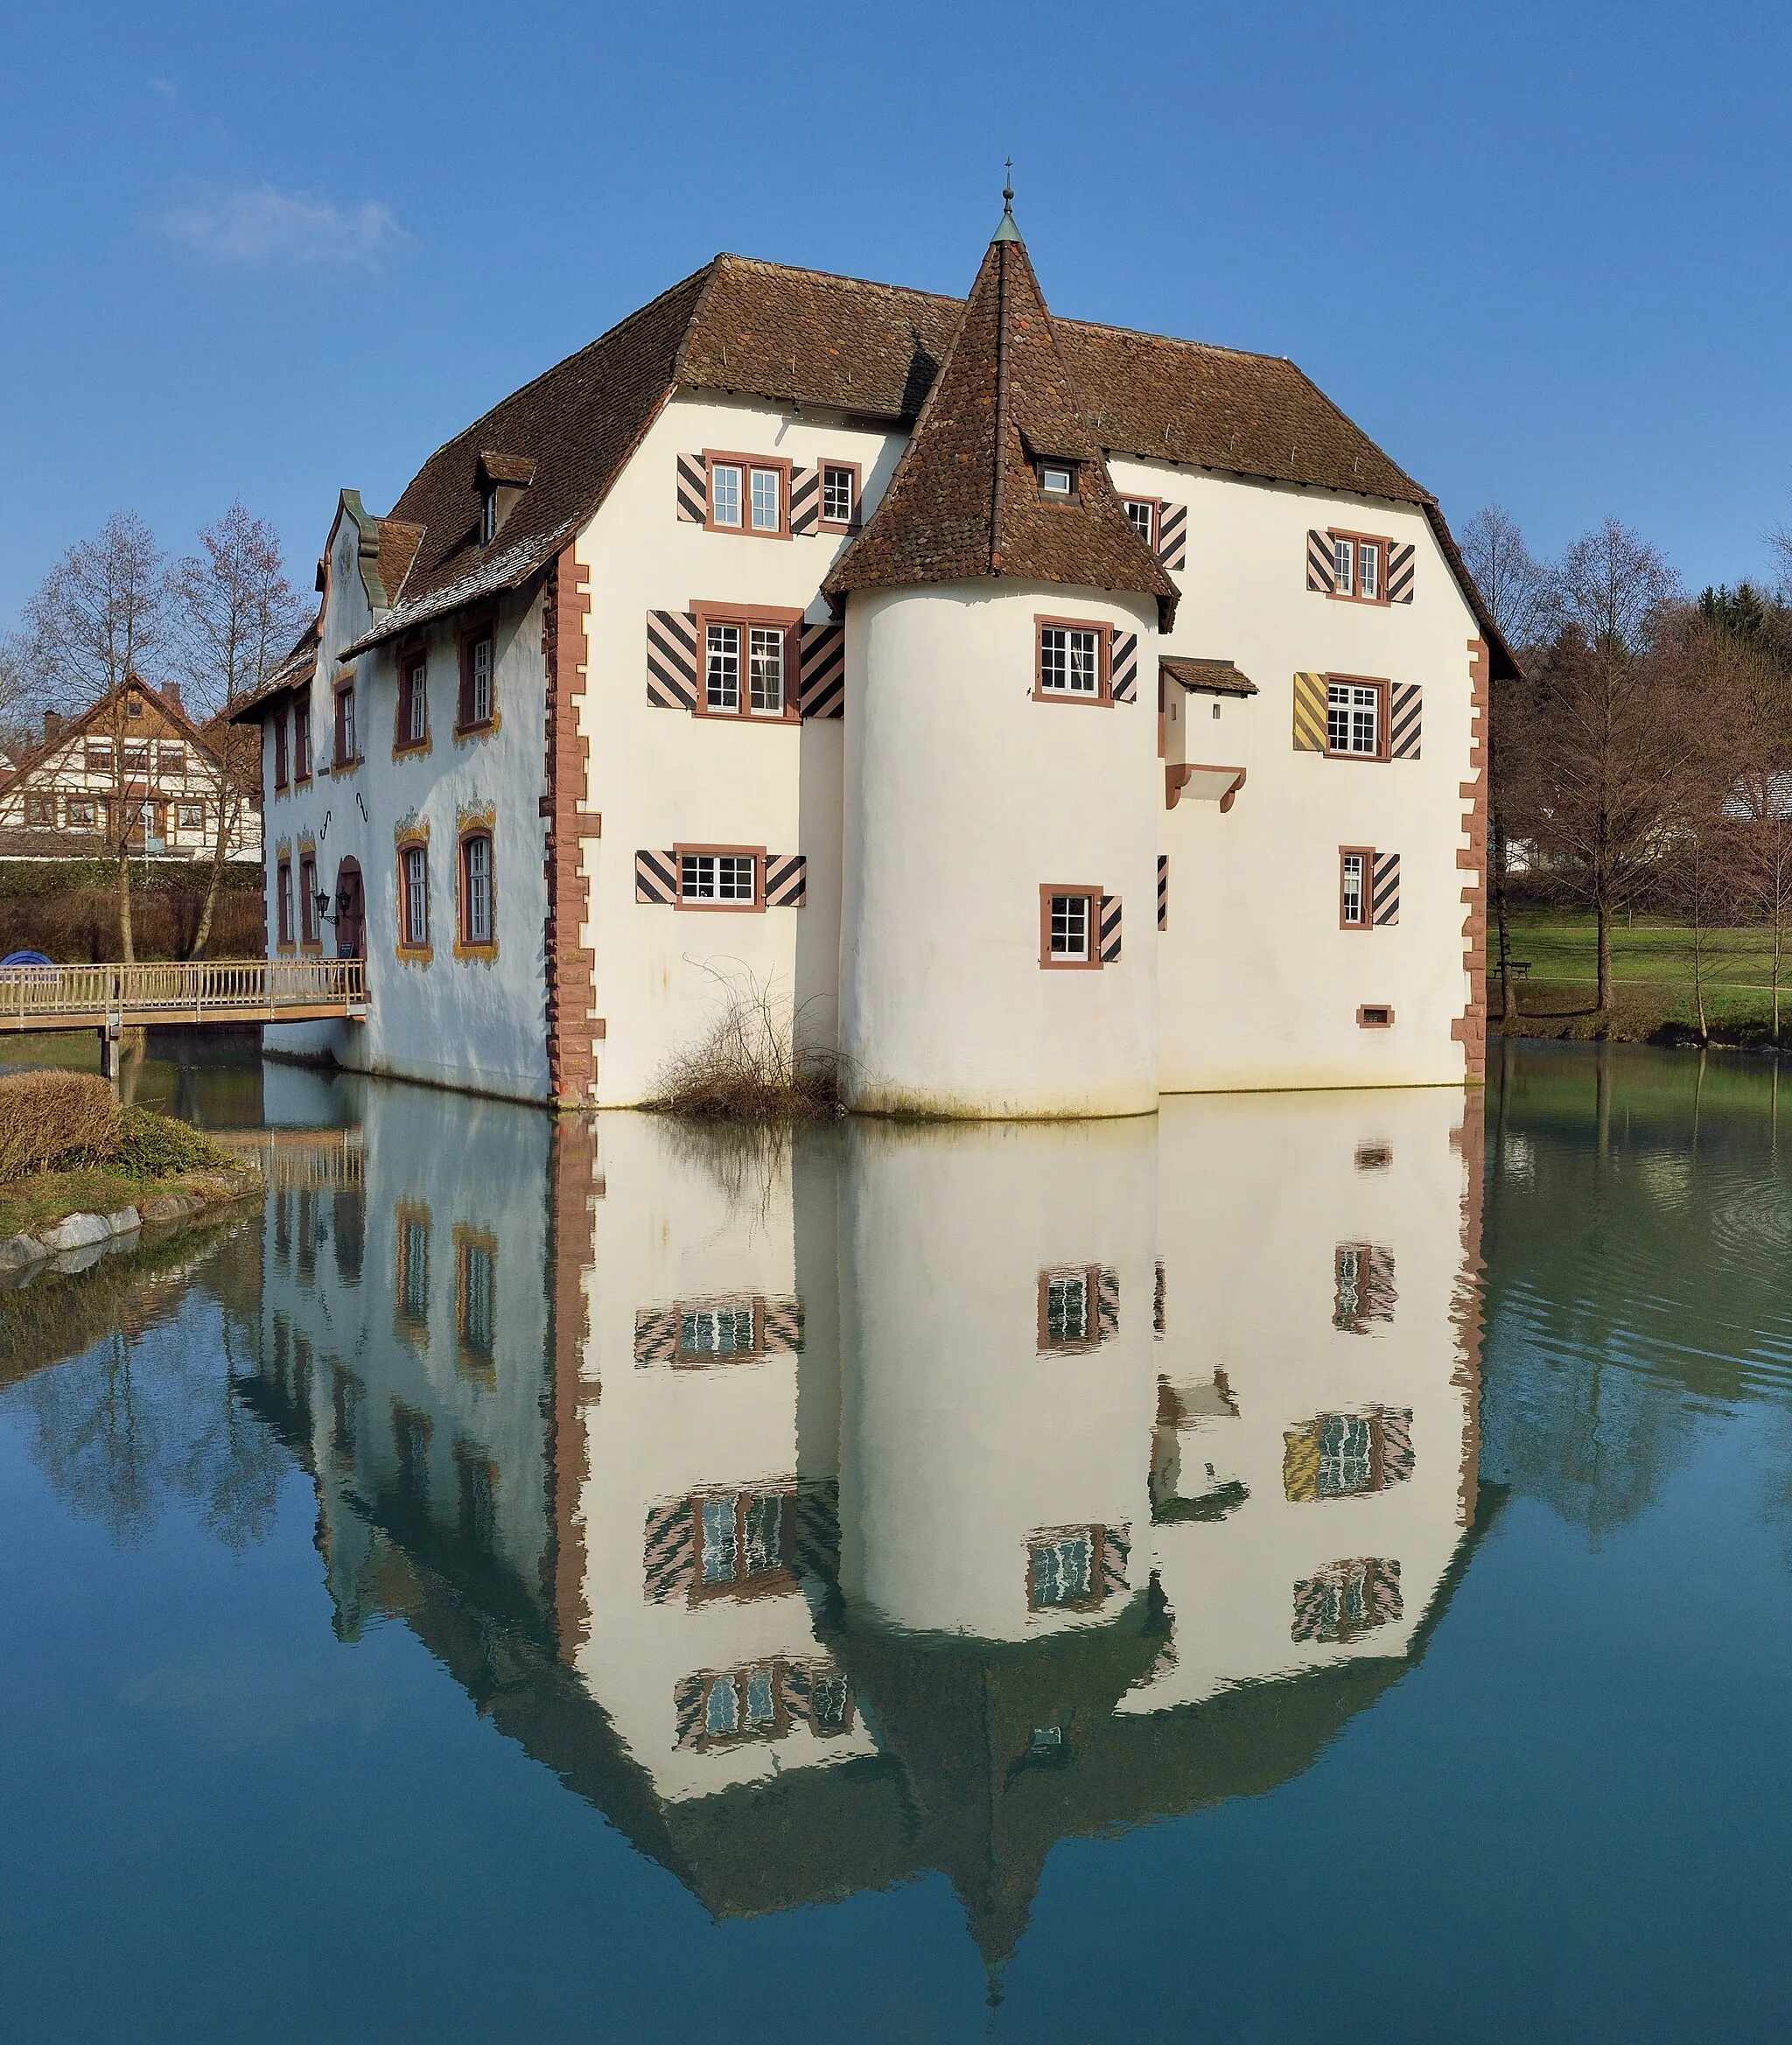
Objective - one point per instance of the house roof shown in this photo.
(293, 673)
(1214, 677)
(73, 727)
(965, 500)
(767, 331)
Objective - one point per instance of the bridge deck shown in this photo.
(112, 998)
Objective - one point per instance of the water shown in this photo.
(1137, 1580)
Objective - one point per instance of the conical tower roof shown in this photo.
(965, 501)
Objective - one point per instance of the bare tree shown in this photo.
(97, 617)
(1513, 587)
(1594, 760)
(235, 615)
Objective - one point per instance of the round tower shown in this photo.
(1002, 782)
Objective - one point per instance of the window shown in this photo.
(476, 889)
(1142, 513)
(1346, 1456)
(1358, 568)
(302, 739)
(719, 1331)
(414, 908)
(1078, 1309)
(1346, 1600)
(839, 496)
(280, 751)
(1070, 1313)
(308, 901)
(414, 700)
(741, 1543)
(1355, 719)
(136, 753)
(283, 898)
(99, 756)
(749, 664)
(190, 815)
(1064, 1569)
(749, 494)
(413, 1286)
(83, 813)
(346, 750)
(171, 761)
(475, 1296)
(134, 706)
(40, 812)
(1058, 480)
(738, 1704)
(476, 700)
(1071, 661)
(1375, 1016)
(1069, 925)
(719, 879)
(488, 518)
(1355, 865)
(1363, 1274)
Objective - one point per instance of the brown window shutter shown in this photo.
(1403, 718)
(1400, 574)
(1386, 898)
(1320, 574)
(1309, 713)
(671, 659)
(693, 489)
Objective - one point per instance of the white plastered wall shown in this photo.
(1260, 987)
(965, 795)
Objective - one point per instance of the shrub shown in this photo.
(46, 1116)
(153, 1146)
(754, 1064)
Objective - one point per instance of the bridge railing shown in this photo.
(197, 991)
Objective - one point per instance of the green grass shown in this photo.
(1651, 978)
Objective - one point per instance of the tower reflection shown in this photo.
(890, 1498)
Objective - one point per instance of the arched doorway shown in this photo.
(351, 911)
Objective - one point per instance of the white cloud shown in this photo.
(262, 225)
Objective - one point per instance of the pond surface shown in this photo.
(1302, 1565)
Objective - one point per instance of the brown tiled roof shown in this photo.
(768, 331)
(506, 468)
(293, 672)
(1217, 677)
(965, 500)
(28, 762)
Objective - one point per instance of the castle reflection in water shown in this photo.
(899, 1498)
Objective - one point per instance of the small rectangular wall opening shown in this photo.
(1374, 1016)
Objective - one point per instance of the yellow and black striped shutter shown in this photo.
(1108, 947)
(1309, 713)
(1385, 898)
(1403, 718)
(672, 660)
(693, 489)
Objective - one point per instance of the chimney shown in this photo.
(171, 693)
(53, 726)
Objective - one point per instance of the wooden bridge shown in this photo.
(109, 998)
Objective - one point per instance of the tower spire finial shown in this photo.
(1008, 188)
(1005, 229)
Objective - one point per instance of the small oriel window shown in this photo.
(1058, 480)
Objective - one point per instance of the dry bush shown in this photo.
(83, 923)
(46, 1116)
(754, 1064)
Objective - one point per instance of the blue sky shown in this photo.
(1537, 251)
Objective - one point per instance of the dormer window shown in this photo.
(501, 480)
(1058, 480)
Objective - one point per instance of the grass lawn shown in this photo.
(1651, 978)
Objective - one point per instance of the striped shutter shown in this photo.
(1123, 670)
(1107, 1303)
(1163, 891)
(820, 666)
(655, 877)
(784, 1327)
(786, 879)
(1108, 948)
(1300, 1463)
(1116, 1557)
(1385, 901)
(818, 1529)
(1379, 1295)
(688, 1710)
(1321, 572)
(1396, 1443)
(1405, 717)
(1172, 535)
(671, 659)
(669, 1552)
(1309, 713)
(1400, 574)
(693, 489)
(805, 499)
(655, 1334)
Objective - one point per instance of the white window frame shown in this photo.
(831, 513)
(1147, 530)
(1049, 486)
(415, 905)
(722, 667)
(719, 879)
(767, 515)
(478, 882)
(480, 691)
(1068, 913)
(1369, 570)
(417, 708)
(726, 490)
(1343, 565)
(1354, 708)
(765, 645)
(1067, 666)
(1353, 890)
